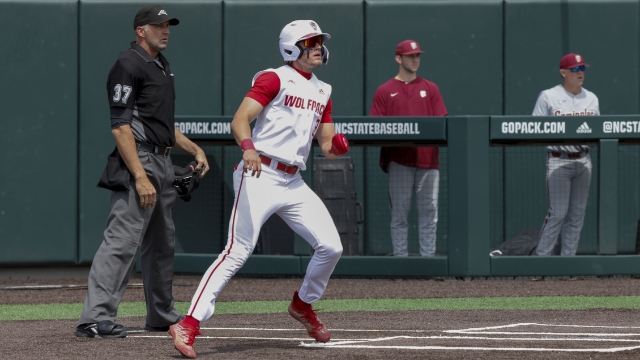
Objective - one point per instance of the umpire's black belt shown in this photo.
(166, 151)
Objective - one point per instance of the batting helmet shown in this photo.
(300, 30)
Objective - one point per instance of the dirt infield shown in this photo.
(248, 289)
(584, 334)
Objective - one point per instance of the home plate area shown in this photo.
(529, 337)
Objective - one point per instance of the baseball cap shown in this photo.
(153, 15)
(572, 60)
(408, 47)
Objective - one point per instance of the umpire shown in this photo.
(140, 174)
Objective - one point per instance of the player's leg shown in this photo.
(577, 206)
(256, 199)
(558, 190)
(401, 181)
(427, 184)
(157, 250)
(307, 215)
(114, 260)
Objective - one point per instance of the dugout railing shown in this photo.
(474, 144)
(614, 183)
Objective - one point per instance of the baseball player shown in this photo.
(568, 166)
(290, 106)
(410, 168)
(141, 97)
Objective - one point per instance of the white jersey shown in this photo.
(286, 126)
(557, 101)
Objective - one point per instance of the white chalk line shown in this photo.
(358, 343)
(536, 324)
(491, 327)
(515, 333)
(543, 333)
(298, 329)
(335, 342)
(470, 348)
(225, 337)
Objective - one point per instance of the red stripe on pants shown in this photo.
(233, 231)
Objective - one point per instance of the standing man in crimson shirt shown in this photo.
(410, 168)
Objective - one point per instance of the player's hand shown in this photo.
(252, 162)
(147, 192)
(201, 158)
(339, 145)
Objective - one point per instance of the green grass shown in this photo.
(72, 311)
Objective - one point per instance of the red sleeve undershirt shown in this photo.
(267, 87)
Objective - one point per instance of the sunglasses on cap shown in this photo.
(312, 42)
(578, 68)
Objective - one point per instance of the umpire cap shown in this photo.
(153, 15)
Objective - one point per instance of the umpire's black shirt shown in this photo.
(142, 94)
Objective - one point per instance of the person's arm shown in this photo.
(128, 151)
(378, 105)
(437, 104)
(332, 145)
(122, 93)
(326, 132)
(247, 112)
(542, 107)
(188, 146)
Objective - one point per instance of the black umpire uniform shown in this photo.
(141, 94)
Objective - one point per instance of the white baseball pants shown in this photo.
(403, 181)
(256, 199)
(568, 182)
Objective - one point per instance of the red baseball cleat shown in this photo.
(304, 313)
(184, 335)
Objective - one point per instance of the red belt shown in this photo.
(289, 169)
(569, 155)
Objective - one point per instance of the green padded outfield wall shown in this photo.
(628, 197)
(462, 41)
(537, 34)
(606, 33)
(251, 31)
(194, 51)
(38, 132)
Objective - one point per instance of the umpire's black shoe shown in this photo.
(103, 329)
(148, 327)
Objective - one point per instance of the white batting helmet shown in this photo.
(300, 30)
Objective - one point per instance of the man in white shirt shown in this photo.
(568, 166)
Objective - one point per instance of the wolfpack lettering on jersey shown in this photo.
(557, 101)
(296, 110)
(298, 102)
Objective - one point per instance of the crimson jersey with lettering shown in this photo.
(419, 97)
(295, 103)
